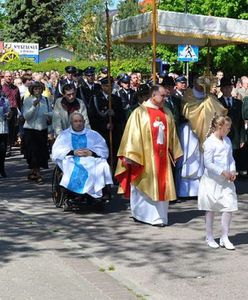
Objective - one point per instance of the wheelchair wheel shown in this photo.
(57, 191)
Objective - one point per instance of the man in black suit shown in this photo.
(234, 107)
(180, 87)
(87, 87)
(100, 115)
(172, 103)
(71, 72)
(128, 96)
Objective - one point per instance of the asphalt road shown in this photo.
(47, 253)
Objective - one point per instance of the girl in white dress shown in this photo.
(217, 190)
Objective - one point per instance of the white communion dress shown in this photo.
(215, 192)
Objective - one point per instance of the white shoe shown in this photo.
(224, 242)
(212, 244)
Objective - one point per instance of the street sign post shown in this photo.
(188, 53)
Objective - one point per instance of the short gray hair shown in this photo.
(75, 113)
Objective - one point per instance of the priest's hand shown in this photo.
(82, 152)
(36, 102)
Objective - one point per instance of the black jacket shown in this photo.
(86, 94)
(237, 132)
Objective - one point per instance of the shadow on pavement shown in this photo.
(182, 217)
(111, 235)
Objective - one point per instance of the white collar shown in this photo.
(149, 103)
(84, 131)
(179, 92)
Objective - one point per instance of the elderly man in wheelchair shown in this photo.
(82, 171)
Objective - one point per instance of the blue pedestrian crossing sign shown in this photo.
(188, 53)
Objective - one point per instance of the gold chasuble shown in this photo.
(149, 140)
(201, 113)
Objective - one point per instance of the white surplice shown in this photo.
(82, 175)
(146, 210)
(215, 192)
(189, 168)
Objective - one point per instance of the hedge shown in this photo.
(117, 67)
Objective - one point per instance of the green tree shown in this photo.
(128, 8)
(37, 21)
(86, 30)
(2, 19)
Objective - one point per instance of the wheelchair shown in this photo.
(69, 200)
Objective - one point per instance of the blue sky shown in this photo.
(115, 2)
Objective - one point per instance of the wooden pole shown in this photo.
(208, 58)
(154, 39)
(108, 55)
(208, 73)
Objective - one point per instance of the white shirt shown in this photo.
(229, 101)
(218, 156)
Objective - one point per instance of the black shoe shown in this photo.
(138, 221)
(3, 174)
(106, 191)
(159, 225)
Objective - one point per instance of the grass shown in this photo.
(138, 296)
(101, 270)
(111, 268)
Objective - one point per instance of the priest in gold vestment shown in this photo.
(148, 148)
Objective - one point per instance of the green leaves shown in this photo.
(117, 66)
(128, 8)
(34, 21)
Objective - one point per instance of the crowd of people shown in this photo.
(168, 139)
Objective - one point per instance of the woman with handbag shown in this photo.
(38, 115)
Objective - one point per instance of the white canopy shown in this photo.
(180, 28)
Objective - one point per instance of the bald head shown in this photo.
(77, 121)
